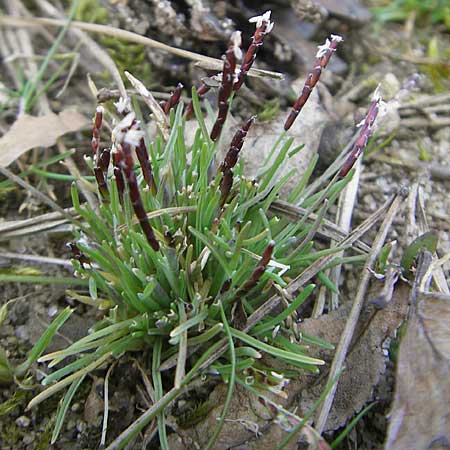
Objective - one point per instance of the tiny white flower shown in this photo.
(376, 94)
(99, 110)
(322, 49)
(336, 38)
(132, 137)
(237, 41)
(125, 123)
(122, 105)
(360, 124)
(265, 18)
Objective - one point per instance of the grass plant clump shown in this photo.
(183, 250)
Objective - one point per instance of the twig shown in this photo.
(351, 323)
(15, 228)
(205, 61)
(436, 171)
(419, 122)
(426, 101)
(47, 200)
(38, 259)
(106, 404)
(344, 215)
(327, 229)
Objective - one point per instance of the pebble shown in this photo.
(28, 438)
(81, 426)
(52, 311)
(23, 421)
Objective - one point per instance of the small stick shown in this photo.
(206, 61)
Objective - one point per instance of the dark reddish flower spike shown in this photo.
(135, 195)
(96, 130)
(117, 157)
(323, 57)
(258, 271)
(263, 27)
(77, 254)
(144, 161)
(363, 138)
(173, 100)
(236, 145)
(226, 183)
(226, 87)
(201, 91)
(101, 160)
(101, 183)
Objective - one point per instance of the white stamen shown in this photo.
(125, 123)
(132, 137)
(336, 38)
(376, 94)
(122, 105)
(322, 49)
(265, 18)
(237, 41)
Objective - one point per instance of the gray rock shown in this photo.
(348, 10)
(307, 130)
(23, 422)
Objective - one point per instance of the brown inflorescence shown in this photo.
(236, 145)
(231, 159)
(101, 182)
(98, 119)
(263, 28)
(226, 86)
(144, 161)
(78, 254)
(258, 271)
(173, 100)
(364, 135)
(323, 57)
(201, 91)
(126, 164)
(101, 159)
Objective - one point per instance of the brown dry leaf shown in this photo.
(366, 362)
(420, 416)
(28, 132)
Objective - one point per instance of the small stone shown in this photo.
(75, 407)
(28, 438)
(52, 311)
(23, 421)
(81, 426)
